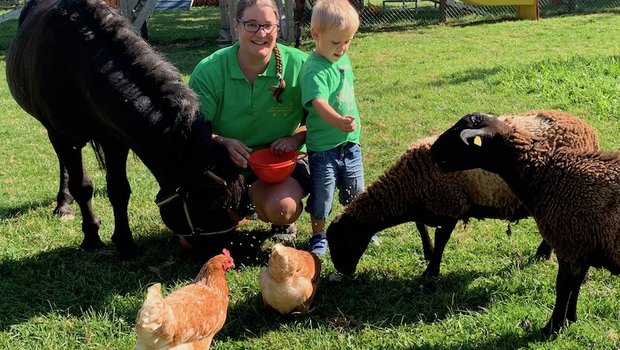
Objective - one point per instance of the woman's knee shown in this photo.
(279, 204)
(279, 211)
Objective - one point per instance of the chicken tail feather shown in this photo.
(151, 317)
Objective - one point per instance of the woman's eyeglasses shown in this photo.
(254, 27)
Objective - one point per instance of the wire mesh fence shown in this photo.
(388, 12)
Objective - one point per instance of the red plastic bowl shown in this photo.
(272, 168)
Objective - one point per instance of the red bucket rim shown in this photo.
(295, 155)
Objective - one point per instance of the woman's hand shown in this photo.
(238, 151)
(285, 145)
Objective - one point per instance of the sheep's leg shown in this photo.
(543, 252)
(442, 235)
(571, 313)
(567, 289)
(427, 244)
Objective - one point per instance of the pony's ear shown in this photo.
(216, 178)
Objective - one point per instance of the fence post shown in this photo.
(289, 30)
(442, 11)
(232, 13)
(225, 29)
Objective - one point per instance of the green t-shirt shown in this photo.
(333, 82)
(244, 112)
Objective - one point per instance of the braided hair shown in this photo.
(278, 89)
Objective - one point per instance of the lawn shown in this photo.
(410, 83)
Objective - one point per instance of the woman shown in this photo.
(251, 93)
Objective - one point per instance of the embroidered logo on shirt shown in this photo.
(346, 96)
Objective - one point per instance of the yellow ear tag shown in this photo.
(478, 141)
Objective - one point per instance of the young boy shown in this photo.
(333, 136)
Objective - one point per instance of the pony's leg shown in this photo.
(119, 192)
(427, 244)
(64, 198)
(80, 187)
(567, 290)
(442, 235)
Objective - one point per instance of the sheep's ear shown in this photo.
(474, 136)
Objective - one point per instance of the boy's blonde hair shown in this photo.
(334, 14)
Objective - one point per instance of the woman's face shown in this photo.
(258, 44)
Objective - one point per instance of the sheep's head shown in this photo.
(348, 240)
(469, 143)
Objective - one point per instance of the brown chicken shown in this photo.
(189, 317)
(290, 280)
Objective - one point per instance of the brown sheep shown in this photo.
(414, 189)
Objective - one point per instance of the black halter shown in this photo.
(182, 195)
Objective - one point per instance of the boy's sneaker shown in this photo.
(284, 233)
(318, 243)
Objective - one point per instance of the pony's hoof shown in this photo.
(127, 251)
(64, 212)
(91, 244)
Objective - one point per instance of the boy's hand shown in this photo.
(347, 123)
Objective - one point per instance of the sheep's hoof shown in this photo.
(543, 252)
(551, 328)
(430, 273)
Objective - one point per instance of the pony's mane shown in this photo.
(176, 97)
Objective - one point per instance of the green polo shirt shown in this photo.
(333, 82)
(244, 112)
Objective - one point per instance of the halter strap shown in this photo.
(178, 193)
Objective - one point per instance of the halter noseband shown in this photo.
(182, 195)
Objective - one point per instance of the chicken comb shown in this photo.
(226, 253)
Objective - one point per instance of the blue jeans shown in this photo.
(340, 167)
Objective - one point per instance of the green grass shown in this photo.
(410, 83)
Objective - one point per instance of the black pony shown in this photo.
(78, 67)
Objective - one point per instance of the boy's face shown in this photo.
(332, 43)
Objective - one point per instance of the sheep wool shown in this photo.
(573, 195)
(414, 189)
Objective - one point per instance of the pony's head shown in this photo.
(208, 200)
